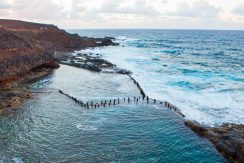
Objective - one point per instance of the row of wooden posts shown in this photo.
(126, 99)
(118, 101)
(138, 86)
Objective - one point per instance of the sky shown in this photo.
(129, 14)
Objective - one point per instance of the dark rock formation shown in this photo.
(29, 51)
(25, 46)
(228, 139)
(10, 99)
(93, 63)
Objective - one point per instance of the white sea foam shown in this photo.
(17, 160)
(208, 106)
(83, 127)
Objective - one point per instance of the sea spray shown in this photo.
(205, 80)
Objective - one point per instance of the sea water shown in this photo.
(53, 128)
(200, 71)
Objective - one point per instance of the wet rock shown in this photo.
(124, 71)
(197, 128)
(93, 62)
(12, 99)
(106, 41)
(228, 139)
(91, 67)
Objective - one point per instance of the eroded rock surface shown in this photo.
(29, 51)
(93, 63)
(25, 46)
(12, 99)
(228, 139)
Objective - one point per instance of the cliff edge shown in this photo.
(29, 51)
(26, 46)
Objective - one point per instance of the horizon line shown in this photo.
(154, 29)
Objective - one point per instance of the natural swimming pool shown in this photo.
(52, 128)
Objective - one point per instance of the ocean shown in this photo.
(200, 71)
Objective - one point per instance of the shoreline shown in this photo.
(228, 139)
(223, 145)
(28, 53)
(13, 96)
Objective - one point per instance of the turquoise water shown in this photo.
(52, 128)
(200, 71)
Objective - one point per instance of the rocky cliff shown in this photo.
(29, 51)
(26, 46)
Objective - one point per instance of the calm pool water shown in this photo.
(52, 128)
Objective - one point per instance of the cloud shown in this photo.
(4, 5)
(36, 9)
(138, 7)
(127, 13)
(239, 10)
(200, 8)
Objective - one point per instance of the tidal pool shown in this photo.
(52, 128)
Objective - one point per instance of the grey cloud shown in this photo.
(80, 12)
(77, 10)
(239, 10)
(164, 1)
(199, 8)
(139, 7)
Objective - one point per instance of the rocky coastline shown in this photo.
(228, 139)
(93, 63)
(29, 51)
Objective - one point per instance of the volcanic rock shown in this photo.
(228, 139)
